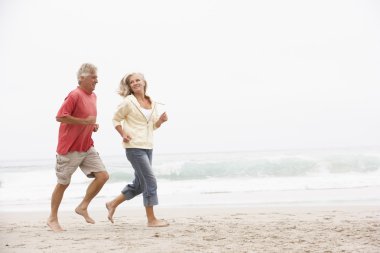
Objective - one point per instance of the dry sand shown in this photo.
(200, 229)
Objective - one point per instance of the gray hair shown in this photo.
(86, 69)
(124, 86)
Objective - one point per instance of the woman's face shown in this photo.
(137, 84)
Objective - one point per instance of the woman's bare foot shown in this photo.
(158, 223)
(54, 225)
(111, 211)
(85, 215)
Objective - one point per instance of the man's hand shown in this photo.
(96, 127)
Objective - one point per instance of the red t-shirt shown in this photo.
(75, 137)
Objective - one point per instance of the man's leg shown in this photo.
(56, 199)
(93, 189)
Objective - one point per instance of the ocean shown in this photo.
(257, 178)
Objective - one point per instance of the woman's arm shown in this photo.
(126, 137)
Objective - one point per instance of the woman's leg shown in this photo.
(141, 160)
(129, 192)
(152, 220)
(142, 163)
(111, 206)
(145, 179)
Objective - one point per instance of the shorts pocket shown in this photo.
(61, 163)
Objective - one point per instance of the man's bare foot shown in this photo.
(111, 211)
(158, 223)
(54, 225)
(85, 215)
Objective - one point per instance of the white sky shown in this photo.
(235, 75)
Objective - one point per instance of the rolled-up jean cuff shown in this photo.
(150, 201)
(127, 196)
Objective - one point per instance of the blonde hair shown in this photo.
(86, 69)
(125, 88)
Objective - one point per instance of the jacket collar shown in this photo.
(136, 103)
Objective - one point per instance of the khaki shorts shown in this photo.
(89, 162)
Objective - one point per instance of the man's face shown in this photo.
(89, 82)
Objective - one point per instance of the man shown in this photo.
(77, 116)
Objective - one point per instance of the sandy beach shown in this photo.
(200, 229)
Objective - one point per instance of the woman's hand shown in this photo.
(126, 138)
(162, 119)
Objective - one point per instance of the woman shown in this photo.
(135, 120)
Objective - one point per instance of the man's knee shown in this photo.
(102, 176)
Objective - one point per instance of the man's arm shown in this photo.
(68, 119)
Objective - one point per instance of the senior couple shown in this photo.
(135, 120)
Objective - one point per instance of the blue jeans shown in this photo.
(145, 181)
